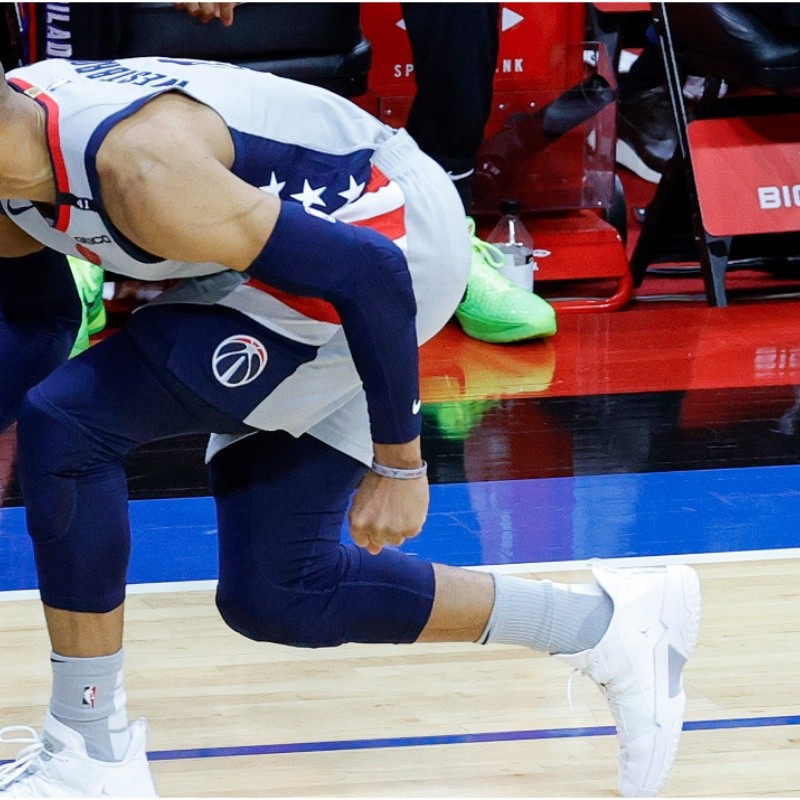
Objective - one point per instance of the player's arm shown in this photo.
(179, 202)
(40, 314)
(182, 206)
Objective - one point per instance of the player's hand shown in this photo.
(205, 12)
(387, 511)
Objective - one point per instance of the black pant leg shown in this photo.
(454, 48)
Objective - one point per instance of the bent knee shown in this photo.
(68, 437)
(293, 618)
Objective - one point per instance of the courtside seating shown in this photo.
(735, 169)
(318, 43)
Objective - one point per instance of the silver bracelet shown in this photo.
(401, 474)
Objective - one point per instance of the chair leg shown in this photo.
(714, 253)
(668, 204)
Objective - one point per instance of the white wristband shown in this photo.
(401, 474)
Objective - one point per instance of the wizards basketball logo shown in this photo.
(238, 360)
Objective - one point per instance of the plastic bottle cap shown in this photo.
(510, 207)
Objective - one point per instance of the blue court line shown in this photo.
(499, 522)
(446, 739)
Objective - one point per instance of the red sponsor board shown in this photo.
(532, 41)
(747, 171)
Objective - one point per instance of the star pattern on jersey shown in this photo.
(274, 186)
(353, 191)
(310, 197)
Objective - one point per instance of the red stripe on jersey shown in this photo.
(392, 224)
(54, 144)
(312, 307)
(377, 180)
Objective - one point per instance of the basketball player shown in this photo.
(315, 249)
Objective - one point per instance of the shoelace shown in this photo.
(10, 772)
(580, 674)
(488, 252)
(610, 694)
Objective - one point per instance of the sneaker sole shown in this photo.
(627, 157)
(495, 335)
(680, 615)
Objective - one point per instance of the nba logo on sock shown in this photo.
(89, 696)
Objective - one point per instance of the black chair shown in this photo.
(318, 43)
(747, 45)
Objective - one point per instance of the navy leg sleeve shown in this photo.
(284, 575)
(74, 431)
(40, 314)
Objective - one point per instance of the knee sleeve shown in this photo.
(346, 596)
(284, 575)
(75, 499)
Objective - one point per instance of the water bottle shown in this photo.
(512, 239)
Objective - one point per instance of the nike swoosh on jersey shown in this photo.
(460, 175)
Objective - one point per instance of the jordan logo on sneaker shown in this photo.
(646, 633)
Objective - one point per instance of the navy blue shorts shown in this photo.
(216, 354)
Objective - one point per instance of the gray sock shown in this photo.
(88, 696)
(551, 617)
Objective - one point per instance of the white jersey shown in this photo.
(298, 142)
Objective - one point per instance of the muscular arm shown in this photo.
(182, 202)
(39, 315)
(168, 187)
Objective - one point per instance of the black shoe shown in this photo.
(733, 41)
(646, 136)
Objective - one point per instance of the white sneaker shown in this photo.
(56, 765)
(638, 665)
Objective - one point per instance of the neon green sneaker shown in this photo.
(494, 309)
(89, 280)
